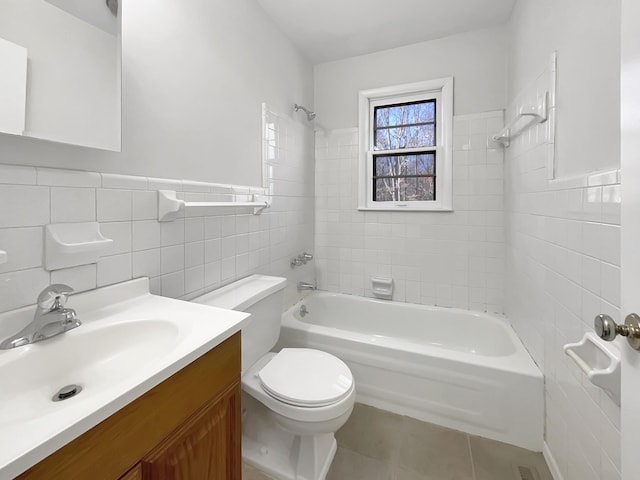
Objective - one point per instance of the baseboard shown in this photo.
(551, 462)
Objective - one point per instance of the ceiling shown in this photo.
(94, 12)
(326, 30)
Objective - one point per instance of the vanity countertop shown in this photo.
(129, 342)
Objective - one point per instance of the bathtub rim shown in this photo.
(519, 362)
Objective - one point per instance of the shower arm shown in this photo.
(310, 114)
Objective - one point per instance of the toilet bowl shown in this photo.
(327, 415)
(293, 400)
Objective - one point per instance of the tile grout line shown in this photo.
(43, 227)
(473, 467)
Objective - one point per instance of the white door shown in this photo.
(630, 107)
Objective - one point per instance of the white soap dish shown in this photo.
(71, 244)
(4, 258)
(382, 287)
(600, 362)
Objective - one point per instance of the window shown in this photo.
(405, 145)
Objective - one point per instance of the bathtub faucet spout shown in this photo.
(305, 286)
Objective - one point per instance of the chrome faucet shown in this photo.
(306, 286)
(51, 318)
(301, 259)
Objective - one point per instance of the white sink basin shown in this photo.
(129, 342)
(102, 354)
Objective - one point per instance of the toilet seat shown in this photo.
(305, 377)
(252, 385)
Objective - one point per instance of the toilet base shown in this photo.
(278, 463)
(281, 453)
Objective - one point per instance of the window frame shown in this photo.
(442, 91)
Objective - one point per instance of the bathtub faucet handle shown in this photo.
(303, 258)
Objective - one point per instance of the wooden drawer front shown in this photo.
(111, 448)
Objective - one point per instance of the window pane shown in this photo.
(410, 113)
(418, 164)
(404, 189)
(405, 137)
(425, 189)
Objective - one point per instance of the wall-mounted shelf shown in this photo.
(169, 205)
(535, 113)
(600, 362)
(72, 244)
(4, 257)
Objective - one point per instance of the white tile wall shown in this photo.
(563, 258)
(453, 259)
(184, 258)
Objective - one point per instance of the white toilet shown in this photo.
(293, 401)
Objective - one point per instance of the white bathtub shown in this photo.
(459, 369)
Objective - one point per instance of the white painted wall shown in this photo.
(476, 60)
(563, 238)
(195, 74)
(72, 93)
(586, 34)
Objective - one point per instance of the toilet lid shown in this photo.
(306, 377)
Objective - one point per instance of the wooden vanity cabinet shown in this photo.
(202, 448)
(186, 428)
(134, 474)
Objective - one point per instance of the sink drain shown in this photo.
(67, 392)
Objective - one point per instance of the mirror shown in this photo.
(61, 71)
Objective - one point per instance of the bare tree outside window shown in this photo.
(400, 176)
(404, 177)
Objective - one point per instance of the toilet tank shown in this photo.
(262, 297)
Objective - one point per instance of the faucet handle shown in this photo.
(54, 296)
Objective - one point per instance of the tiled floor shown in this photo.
(378, 445)
(250, 473)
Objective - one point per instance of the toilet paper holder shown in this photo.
(600, 362)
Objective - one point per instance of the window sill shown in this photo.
(404, 209)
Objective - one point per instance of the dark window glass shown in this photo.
(401, 178)
(406, 114)
(406, 125)
(405, 137)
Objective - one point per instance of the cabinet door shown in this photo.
(205, 447)
(134, 474)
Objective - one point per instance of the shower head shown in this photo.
(310, 115)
